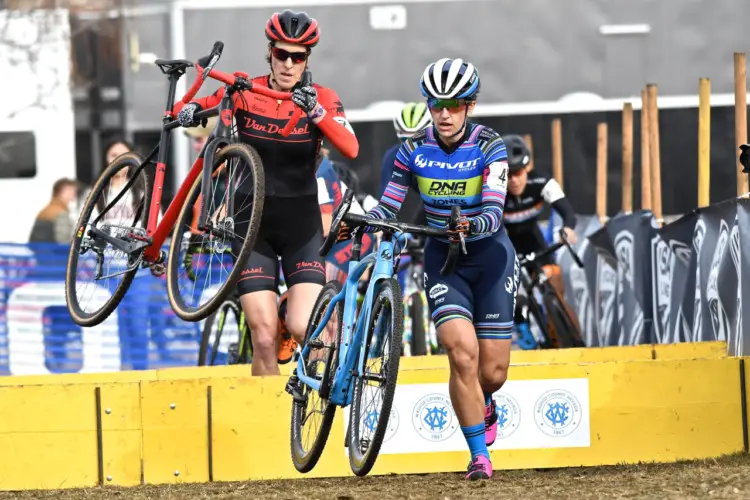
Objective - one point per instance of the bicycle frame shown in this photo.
(157, 231)
(351, 349)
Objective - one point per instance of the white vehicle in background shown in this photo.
(37, 129)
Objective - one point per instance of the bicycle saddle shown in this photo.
(168, 66)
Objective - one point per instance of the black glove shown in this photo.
(745, 157)
(306, 98)
(185, 116)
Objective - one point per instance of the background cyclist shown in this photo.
(458, 162)
(331, 191)
(529, 192)
(413, 117)
(291, 226)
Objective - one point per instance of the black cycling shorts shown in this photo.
(482, 289)
(290, 229)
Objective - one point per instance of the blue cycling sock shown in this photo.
(487, 398)
(474, 435)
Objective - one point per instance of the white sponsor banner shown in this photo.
(532, 414)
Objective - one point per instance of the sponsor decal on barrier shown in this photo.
(532, 414)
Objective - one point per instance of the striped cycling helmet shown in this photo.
(412, 118)
(450, 79)
(293, 27)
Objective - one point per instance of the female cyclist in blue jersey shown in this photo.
(456, 162)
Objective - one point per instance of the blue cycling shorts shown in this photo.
(481, 290)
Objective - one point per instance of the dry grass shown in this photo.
(727, 477)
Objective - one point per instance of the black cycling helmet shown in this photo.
(519, 155)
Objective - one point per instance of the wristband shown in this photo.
(317, 112)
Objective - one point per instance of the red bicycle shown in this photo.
(119, 230)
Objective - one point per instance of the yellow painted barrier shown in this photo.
(591, 354)
(229, 428)
(579, 355)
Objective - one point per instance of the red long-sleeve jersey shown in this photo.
(288, 162)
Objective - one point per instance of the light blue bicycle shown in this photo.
(351, 353)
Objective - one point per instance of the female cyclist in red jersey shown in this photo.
(291, 227)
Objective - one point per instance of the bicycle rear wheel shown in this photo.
(321, 364)
(566, 333)
(369, 421)
(109, 211)
(224, 340)
(204, 263)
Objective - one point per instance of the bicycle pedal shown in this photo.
(158, 270)
(292, 387)
(157, 267)
(317, 344)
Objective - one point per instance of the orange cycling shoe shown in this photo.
(287, 344)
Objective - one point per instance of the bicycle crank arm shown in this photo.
(127, 247)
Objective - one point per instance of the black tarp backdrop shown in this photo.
(739, 342)
(580, 283)
(710, 241)
(671, 279)
(684, 282)
(679, 143)
(624, 243)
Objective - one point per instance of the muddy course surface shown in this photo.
(728, 477)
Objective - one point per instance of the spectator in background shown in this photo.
(53, 223)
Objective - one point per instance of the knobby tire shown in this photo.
(389, 293)
(305, 460)
(252, 161)
(129, 160)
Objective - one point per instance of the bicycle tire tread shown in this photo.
(79, 317)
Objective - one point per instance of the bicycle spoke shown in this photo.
(100, 268)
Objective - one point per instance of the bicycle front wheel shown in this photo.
(371, 405)
(307, 438)
(98, 274)
(204, 263)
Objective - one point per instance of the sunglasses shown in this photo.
(452, 105)
(283, 55)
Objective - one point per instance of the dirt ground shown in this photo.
(728, 477)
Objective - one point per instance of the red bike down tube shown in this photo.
(230, 80)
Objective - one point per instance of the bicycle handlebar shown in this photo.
(204, 67)
(551, 249)
(392, 226)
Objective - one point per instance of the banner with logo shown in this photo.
(714, 308)
(684, 282)
(739, 341)
(532, 414)
(622, 243)
(673, 280)
(580, 283)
